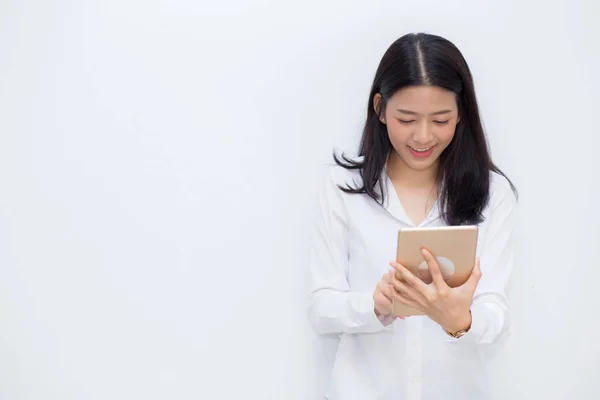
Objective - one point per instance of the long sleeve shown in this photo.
(489, 308)
(332, 306)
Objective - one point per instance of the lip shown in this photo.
(421, 154)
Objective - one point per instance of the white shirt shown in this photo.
(411, 359)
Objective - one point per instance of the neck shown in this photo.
(399, 172)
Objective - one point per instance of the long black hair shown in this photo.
(465, 165)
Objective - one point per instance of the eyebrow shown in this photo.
(414, 113)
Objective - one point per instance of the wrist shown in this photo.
(460, 322)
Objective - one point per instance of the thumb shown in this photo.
(473, 280)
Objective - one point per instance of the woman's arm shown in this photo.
(479, 305)
(489, 308)
(333, 307)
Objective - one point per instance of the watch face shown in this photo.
(457, 334)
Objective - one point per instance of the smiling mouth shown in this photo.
(421, 150)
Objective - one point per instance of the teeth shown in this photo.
(420, 150)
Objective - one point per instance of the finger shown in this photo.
(390, 291)
(473, 280)
(408, 277)
(382, 303)
(407, 291)
(386, 289)
(434, 269)
(405, 301)
(387, 278)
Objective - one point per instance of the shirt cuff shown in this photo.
(373, 323)
(387, 319)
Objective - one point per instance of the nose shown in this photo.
(422, 134)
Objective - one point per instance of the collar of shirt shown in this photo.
(393, 205)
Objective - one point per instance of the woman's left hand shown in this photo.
(449, 307)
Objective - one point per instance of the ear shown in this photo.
(377, 105)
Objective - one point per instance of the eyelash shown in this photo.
(412, 120)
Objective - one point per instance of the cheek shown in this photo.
(446, 134)
(399, 134)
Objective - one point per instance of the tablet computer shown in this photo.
(454, 248)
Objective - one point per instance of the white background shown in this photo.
(158, 165)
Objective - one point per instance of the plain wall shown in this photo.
(158, 166)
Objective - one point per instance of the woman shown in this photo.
(423, 161)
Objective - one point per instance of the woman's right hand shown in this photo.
(383, 296)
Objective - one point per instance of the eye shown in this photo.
(442, 122)
(405, 121)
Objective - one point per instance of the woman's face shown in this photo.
(420, 121)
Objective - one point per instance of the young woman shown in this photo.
(423, 161)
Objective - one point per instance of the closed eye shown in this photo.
(406, 121)
(442, 122)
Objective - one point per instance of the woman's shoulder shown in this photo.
(501, 190)
(332, 178)
(340, 175)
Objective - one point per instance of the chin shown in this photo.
(421, 165)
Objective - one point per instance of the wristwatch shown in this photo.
(458, 334)
(462, 332)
